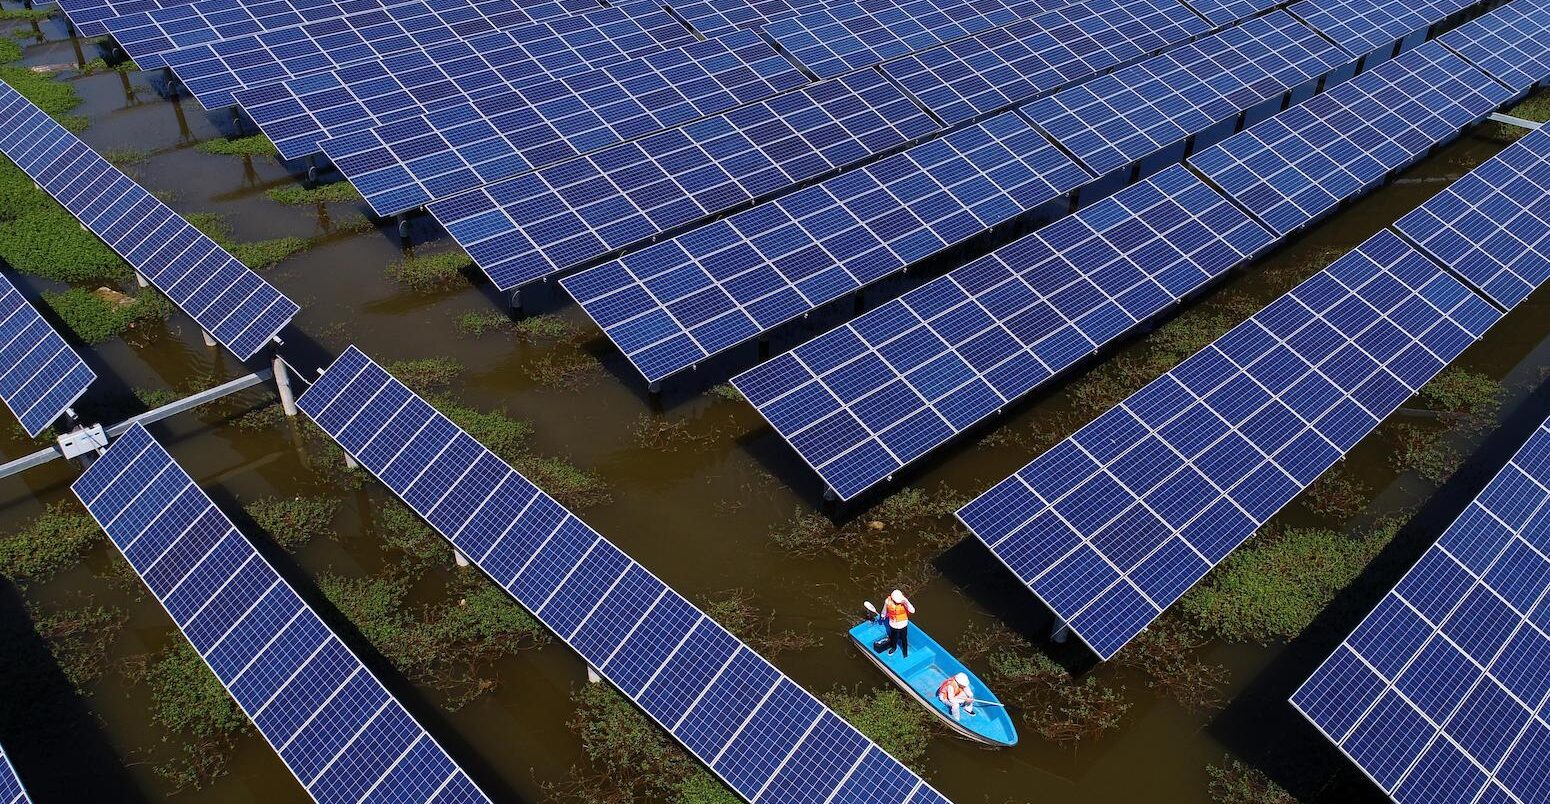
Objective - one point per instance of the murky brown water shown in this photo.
(698, 516)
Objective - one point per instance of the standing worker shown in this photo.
(896, 614)
(956, 692)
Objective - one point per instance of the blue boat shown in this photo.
(924, 671)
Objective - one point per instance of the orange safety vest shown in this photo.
(898, 615)
(951, 690)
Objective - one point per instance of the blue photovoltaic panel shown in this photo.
(343, 735)
(1112, 525)
(847, 36)
(540, 223)
(1004, 66)
(1302, 163)
(300, 113)
(863, 400)
(1440, 693)
(11, 790)
(717, 17)
(1117, 119)
(349, 48)
(227, 300)
(40, 375)
(404, 164)
(1226, 12)
(88, 15)
(1365, 26)
(675, 303)
(766, 737)
(1512, 43)
(1492, 226)
(342, 26)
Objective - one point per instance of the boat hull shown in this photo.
(919, 675)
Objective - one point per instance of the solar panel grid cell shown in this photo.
(873, 395)
(1117, 119)
(11, 790)
(1226, 12)
(677, 302)
(338, 730)
(717, 17)
(466, 144)
(1455, 655)
(456, 37)
(1004, 66)
(1492, 226)
(540, 223)
(146, 35)
(1366, 26)
(756, 729)
(1294, 167)
(229, 301)
(1512, 43)
(40, 375)
(1115, 523)
(89, 16)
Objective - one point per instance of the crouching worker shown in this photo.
(956, 693)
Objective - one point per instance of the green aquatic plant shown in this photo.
(197, 712)
(294, 521)
(1058, 707)
(547, 326)
(95, 316)
(47, 242)
(899, 726)
(50, 542)
(251, 145)
(402, 530)
(483, 321)
(430, 273)
(1235, 782)
(634, 758)
(1425, 451)
(338, 192)
(256, 254)
(726, 392)
(429, 375)
(79, 638)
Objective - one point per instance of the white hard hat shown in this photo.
(898, 597)
(963, 679)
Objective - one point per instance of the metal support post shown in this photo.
(1061, 633)
(516, 300)
(209, 339)
(592, 676)
(140, 280)
(457, 555)
(282, 383)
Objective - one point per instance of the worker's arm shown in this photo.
(908, 606)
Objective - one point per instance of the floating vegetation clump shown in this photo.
(898, 725)
(122, 158)
(56, 98)
(1168, 653)
(79, 638)
(251, 145)
(53, 541)
(48, 242)
(726, 392)
(912, 527)
(1337, 495)
(339, 192)
(294, 521)
(256, 254)
(1056, 706)
(402, 530)
(103, 314)
(547, 326)
(485, 321)
(431, 273)
(199, 716)
(430, 375)
(1234, 782)
(736, 612)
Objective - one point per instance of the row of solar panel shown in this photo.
(848, 416)
(1112, 525)
(560, 217)
(229, 301)
(11, 790)
(342, 734)
(40, 375)
(90, 16)
(664, 321)
(766, 737)
(1439, 693)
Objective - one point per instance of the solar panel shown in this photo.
(338, 730)
(404, 164)
(1369, 26)
(540, 223)
(863, 400)
(1226, 12)
(717, 17)
(88, 15)
(1439, 694)
(469, 53)
(11, 790)
(1492, 227)
(846, 36)
(1294, 167)
(346, 27)
(1512, 43)
(227, 300)
(40, 375)
(1118, 119)
(1112, 525)
(766, 737)
(675, 303)
(1001, 67)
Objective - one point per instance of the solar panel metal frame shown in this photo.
(214, 584)
(1427, 695)
(1135, 112)
(997, 69)
(882, 218)
(869, 397)
(479, 503)
(1114, 524)
(89, 16)
(532, 226)
(1511, 43)
(52, 376)
(412, 161)
(163, 247)
(717, 17)
(11, 789)
(1367, 27)
(1293, 168)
